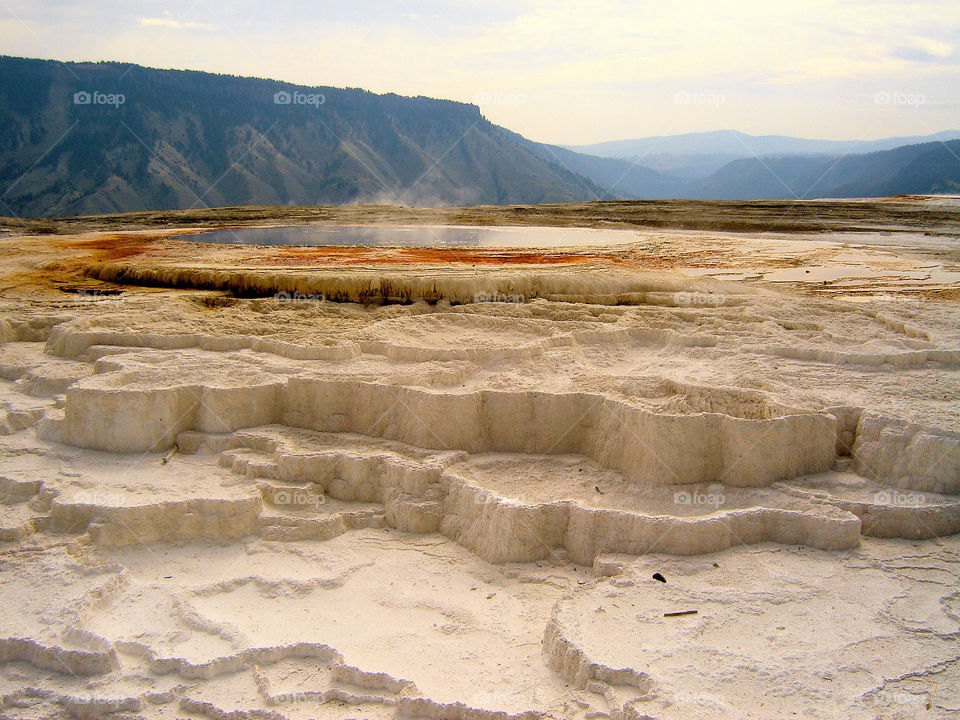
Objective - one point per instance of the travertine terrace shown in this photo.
(250, 482)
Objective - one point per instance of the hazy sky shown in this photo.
(558, 71)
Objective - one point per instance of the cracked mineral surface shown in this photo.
(262, 482)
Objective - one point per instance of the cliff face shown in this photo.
(84, 138)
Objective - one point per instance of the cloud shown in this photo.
(588, 70)
(175, 24)
(923, 50)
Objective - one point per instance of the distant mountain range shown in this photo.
(88, 138)
(730, 165)
(737, 144)
(927, 168)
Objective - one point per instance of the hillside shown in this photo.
(619, 178)
(734, 143)
(186, 139)
(730, 165)
(90, 138)
(929, 168)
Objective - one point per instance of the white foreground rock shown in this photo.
(223, 508)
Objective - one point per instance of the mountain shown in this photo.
(618, 178)
(685, 167)
(86, 138)
(738, 144)
(726, 164)
(928, 168)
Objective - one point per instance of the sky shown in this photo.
(558, 71)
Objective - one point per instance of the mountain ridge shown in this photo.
(925, 168)
(180, 139)
(90, 138)
(734, 142)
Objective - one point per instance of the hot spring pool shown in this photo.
(415, 236)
